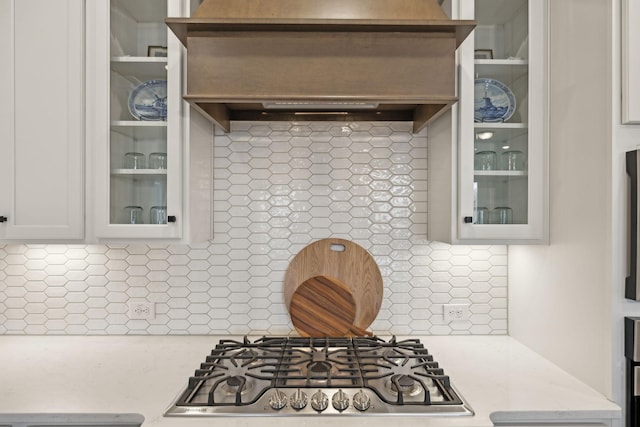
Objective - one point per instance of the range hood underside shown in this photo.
(224, 112)
(304, 76)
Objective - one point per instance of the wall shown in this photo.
(625, 138)
(559, 295)
(277, 188)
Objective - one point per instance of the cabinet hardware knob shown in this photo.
(468, 219)
(171, 218)
(4, 219)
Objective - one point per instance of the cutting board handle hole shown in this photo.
(337, 247)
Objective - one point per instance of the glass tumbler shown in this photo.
(133, 215)
(485, 161)
(512, 160)
(158, 215)
(133, 160)
(482, 215)
(503, 215)
(158, 161)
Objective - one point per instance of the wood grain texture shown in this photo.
(321, 9)
(353, 267)
(322, 307)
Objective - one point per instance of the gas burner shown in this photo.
(407, 385)
(236, 383)
(319, 368)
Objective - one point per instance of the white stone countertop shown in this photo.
(503, 381)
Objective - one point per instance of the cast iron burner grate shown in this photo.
(277, 375)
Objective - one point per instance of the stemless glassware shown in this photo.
(133, 215)
(503, 215)
(512, 160)
(485, 161)
(158, 161)
(482, 215)
(134, 160)
(158, 215)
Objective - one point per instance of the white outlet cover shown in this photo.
(455, 312)
(141, 310)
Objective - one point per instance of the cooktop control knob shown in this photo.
(278, 400)
(340, 400)
(298, 400)
(319, 401)
(361, 401)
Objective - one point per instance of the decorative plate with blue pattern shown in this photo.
(148, 101)
(494, 101)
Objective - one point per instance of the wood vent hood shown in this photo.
(311, 60)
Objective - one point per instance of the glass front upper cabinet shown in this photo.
(140, 163)
(502, 137)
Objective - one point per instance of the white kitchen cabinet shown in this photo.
(41, 120)
(488, 156)
(124, 42)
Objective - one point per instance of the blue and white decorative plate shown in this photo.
(148, 101)
(494, 101)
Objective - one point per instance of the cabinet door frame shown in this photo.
(42, 170)
(98, 94)
(536, 230)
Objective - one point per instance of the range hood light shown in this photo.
(291, 105)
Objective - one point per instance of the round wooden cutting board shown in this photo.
(331, 264)
(323, 307)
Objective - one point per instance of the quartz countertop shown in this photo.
(503, 381)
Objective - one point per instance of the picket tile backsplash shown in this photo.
(277, 188)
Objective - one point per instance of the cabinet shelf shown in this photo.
(501, 62)
(480, 125)
(506, 71)
(139, 172)
(500, 173)
(138, 123)
(140, 129)
(142, 67)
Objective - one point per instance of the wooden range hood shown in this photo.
(310, 60)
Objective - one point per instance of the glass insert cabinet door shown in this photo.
(139, 166)
(138, 133)
(502, 128)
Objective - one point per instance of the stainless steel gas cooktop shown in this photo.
(319, 376)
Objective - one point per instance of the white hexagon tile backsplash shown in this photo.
(277, 188)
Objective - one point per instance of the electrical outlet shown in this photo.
(142, 310)
(455, 312)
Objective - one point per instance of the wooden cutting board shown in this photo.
(324, 307)
(350, 265)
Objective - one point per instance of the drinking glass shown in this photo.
(482, 215)
(133, 160)
(512, 160)
(503, 215)
(158, 215)
(485, 161)
(158, 161)
(133, 215)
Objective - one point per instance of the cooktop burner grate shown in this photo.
(295, 375)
